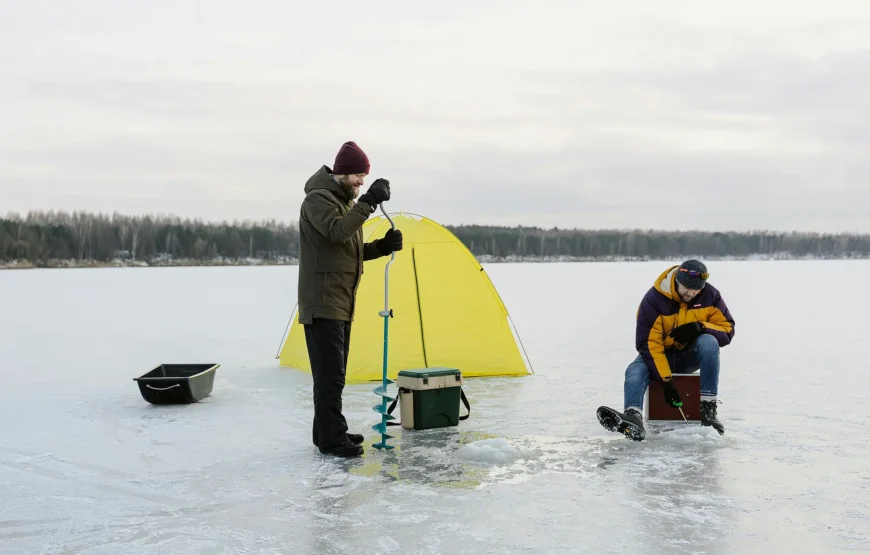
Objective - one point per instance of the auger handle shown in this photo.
(386, 311)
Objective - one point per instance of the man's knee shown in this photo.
(330, 394)
(707, 343)
(635, 371)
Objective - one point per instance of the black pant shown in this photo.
(328, 345)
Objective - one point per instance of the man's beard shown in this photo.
(352, 192)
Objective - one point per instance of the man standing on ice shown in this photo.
(682, 322)
(331, 256)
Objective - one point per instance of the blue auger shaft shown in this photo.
(384, 377)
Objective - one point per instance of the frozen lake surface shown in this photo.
(88, 467)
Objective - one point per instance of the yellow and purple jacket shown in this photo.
(662, 310)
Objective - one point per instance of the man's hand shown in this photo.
(672, 396)
(390, 242)
(687, 333)
(378, 192)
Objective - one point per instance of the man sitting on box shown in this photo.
(682, 322)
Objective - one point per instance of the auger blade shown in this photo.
(383, 393)
(383, 445)
(383, 412)
(382, 386)
(381, 428)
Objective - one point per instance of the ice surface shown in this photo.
(87, 467)
(490, 451)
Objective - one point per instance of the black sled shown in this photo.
(171, 384)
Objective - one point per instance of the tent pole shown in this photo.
(419, 307)
(284, 337)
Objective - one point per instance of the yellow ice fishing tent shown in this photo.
(446, 311)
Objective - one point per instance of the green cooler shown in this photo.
(430, 397)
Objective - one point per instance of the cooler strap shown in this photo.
(392, 408)
(464, 402)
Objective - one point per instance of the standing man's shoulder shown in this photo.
(317, 187)
(317, 203)
(318, 196)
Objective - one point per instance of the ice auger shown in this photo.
(381, 390)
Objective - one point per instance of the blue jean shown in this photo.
(703, 354)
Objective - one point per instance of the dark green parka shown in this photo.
(331, 249)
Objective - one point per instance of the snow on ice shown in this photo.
(87, 467)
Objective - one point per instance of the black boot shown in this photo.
(637, 433)
(355, 438)
(346, 449)
(708, 416)
(629, 423)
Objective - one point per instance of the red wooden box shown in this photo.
(689, 386)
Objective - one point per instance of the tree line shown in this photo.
(44, 239)
(532, 242)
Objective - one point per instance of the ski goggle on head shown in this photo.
(696, 273)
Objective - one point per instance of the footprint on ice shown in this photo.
(490, 451)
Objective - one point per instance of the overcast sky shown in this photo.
(671, 114)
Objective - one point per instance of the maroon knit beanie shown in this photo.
(351, 159)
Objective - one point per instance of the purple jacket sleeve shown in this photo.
(649, 337)
(720, 323)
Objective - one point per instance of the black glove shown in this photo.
(672, 396)
(687, 333)
(378, 192)
(391, 241)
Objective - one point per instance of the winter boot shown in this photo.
(637, 431)
(708, 416)
(629, 423)
(346, 449)
(355, 438)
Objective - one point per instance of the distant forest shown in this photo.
(57, 239)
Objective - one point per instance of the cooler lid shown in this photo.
(430, 372)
